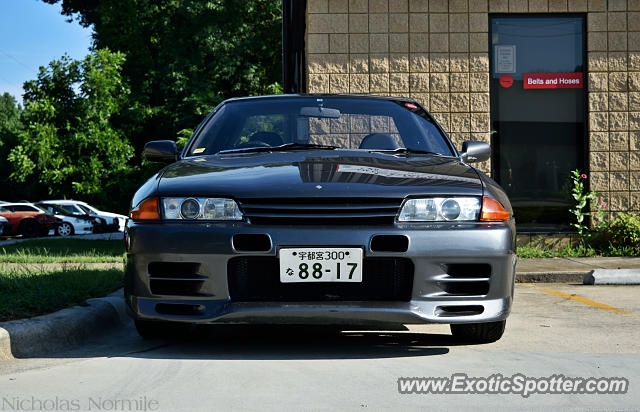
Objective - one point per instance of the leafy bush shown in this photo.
(620, 236)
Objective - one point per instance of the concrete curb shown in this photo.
(99, 236)
(612, 277)
(62, 329)
(551, 277)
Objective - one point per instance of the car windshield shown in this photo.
(86, 209)
(56, 210)
(71, 209)
(45, 210)
(320, 122)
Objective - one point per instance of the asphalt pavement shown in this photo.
(555, 329)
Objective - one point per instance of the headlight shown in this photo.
(199, 208)
(435, 209)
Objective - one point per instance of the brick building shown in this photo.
(553, 85)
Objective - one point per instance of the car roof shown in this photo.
(321, 95)
(18, 204)
(62, 201)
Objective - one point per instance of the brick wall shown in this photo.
(436, 52)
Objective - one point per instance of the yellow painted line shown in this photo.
(585, 301)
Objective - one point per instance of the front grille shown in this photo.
(253, 278)
(324, 211)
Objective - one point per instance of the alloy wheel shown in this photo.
(64, 229)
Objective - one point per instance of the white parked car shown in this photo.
(71, 224)
(109, 222)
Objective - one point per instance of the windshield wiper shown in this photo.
(406, 150)
(281, 148)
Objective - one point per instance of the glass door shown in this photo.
(538, 112)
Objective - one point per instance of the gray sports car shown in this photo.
(320, 209)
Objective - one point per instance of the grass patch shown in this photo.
(63, 251)
(26, 293)
(535, 251)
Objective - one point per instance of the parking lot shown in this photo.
(555, 329)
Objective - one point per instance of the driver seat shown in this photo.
(270, 138)
(381, 141)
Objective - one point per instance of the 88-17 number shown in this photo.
(316, 270)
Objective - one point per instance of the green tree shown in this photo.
(10, 125)
(9, 114)
(68, 146)
(185, 56)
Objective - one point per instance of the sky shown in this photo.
(32, 33)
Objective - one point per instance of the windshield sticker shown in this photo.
(401, 174)
(199, 150)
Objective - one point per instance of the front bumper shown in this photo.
(6, 229)
(433, 249)
(105, 228)
(49, 226)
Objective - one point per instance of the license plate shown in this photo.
(331, 264)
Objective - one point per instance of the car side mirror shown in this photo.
(475, 152)
(164, 151)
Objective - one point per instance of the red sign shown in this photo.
(552, 80)
(506, 80)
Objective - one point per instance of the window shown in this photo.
(24, 208)
(538, 114)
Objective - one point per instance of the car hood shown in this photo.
(69, 218)
(109, 214)
(339, 173)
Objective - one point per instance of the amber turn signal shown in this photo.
(492, 211)
(146, 210)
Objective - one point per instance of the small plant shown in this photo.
(582, 198)
(600, 219)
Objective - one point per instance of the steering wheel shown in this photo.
(254, 143)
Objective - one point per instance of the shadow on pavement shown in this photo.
(279, 342)
(240, 342)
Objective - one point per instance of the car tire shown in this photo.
(150, 329)
(478, 332)
(29, 228)
(64, 229)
